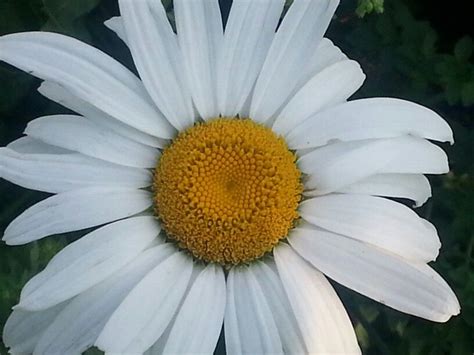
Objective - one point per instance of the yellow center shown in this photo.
(227, 190)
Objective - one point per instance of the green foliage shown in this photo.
(411, 48)
(14, 88)
(63, 11)
(67, 16)
(402, 56)
(456, 73)
(365, 7)
(20, 15)
(463, 49)
(15, 16)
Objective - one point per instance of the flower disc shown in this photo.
(227, 190)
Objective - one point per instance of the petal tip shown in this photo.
(8, 238)
(451, 139)
(446, 317)
(30, 305)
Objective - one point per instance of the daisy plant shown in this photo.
(226, 183)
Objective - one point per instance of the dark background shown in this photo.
(420, 50)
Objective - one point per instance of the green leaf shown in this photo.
(63, 11)
(378, 6)
(429, 44)
(67, 17)
(16, 15)
(463, 49)
(13, 89)
(467, 94)
(76, 29)
(365, 7)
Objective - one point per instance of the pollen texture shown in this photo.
(227, 190)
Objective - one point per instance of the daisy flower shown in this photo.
(226, 184)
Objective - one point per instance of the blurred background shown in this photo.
(419, 50)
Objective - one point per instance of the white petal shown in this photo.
(116, 24)
(296, 40)
(75, 210)
(23, 329)
(249, 324)
(248, 35)
(245, 110)
(378, 221)
(59, 94)
(331, 86)
(159, 346)
(321, 316)
(325, 55)
(200, 34)
(370, 118)
(145, 313)
(410, 288)
(81, 135)
(340, 164)
(414, 187)
(91, 309)
(280, 307)
(28, 145)
(64, 172)
(88, 73)
(157, 58)
(88, 261)
(199, 320)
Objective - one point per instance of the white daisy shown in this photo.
(209, 218)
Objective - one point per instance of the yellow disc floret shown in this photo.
(227, 190)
